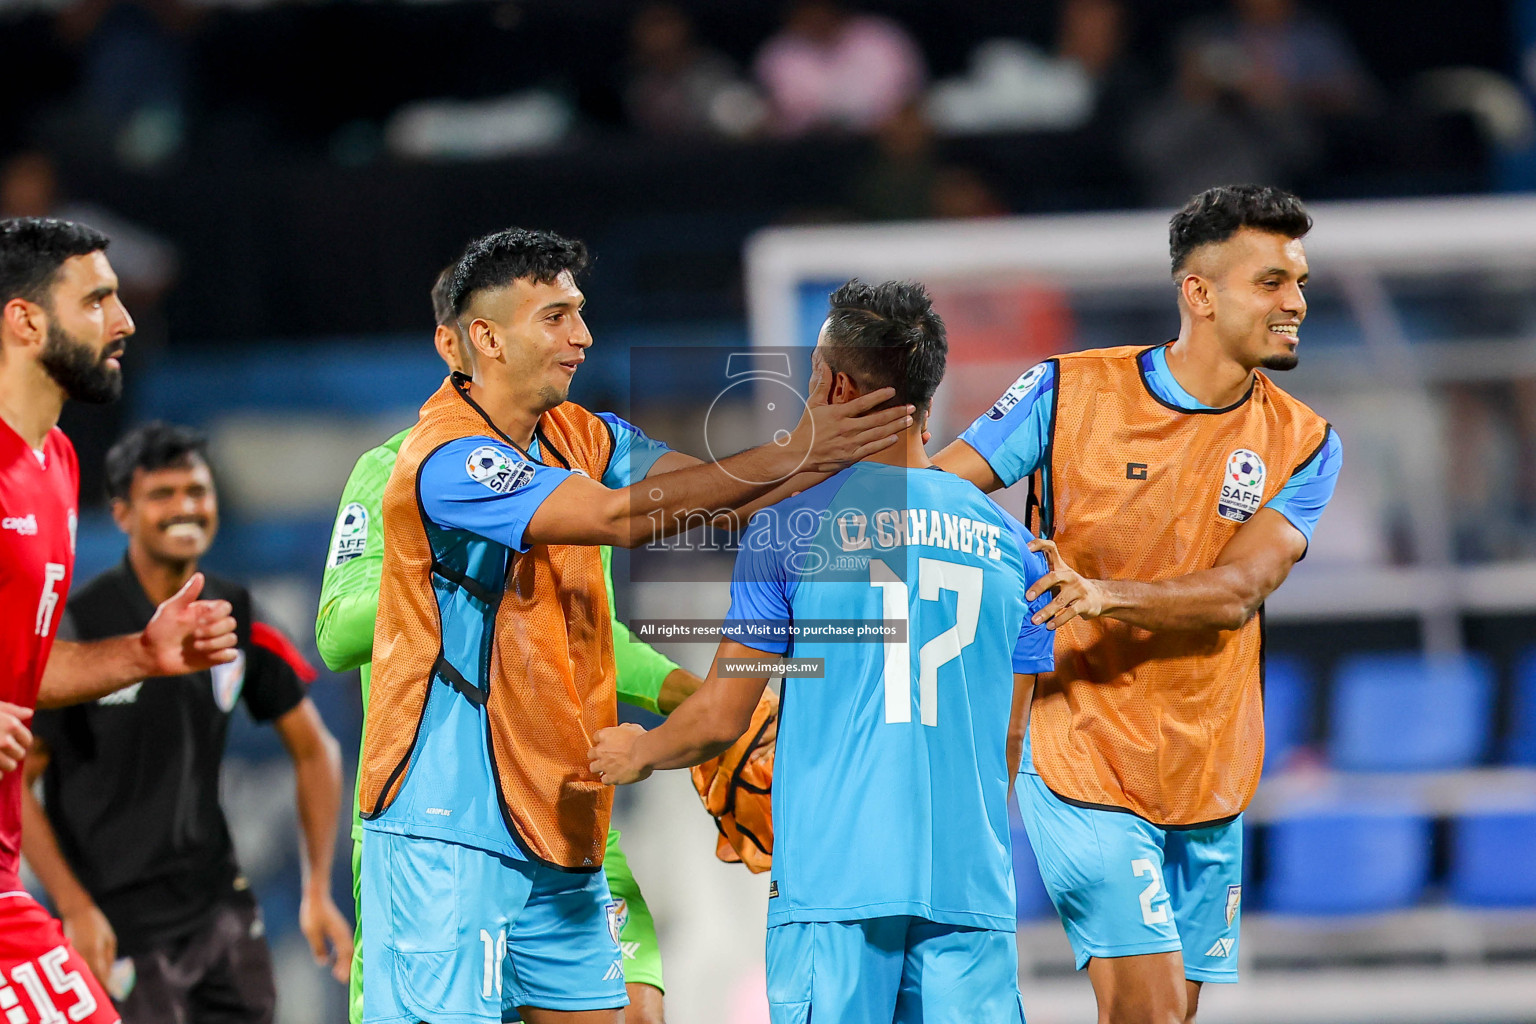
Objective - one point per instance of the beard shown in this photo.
(79, 369)
(1283, 361)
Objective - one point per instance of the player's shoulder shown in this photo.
(58, 445)
(1114, 354)
(1289, 403)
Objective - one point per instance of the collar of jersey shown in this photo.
(1165, 385)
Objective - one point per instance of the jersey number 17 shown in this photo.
(933, 575)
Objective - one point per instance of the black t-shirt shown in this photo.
(132, 783)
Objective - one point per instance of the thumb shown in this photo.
(16, 710)
(188, 592)
(1048, 548)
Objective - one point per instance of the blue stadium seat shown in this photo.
(1521, 747)
(1346, 860)
(1288, 696)
(1403, 712)
(1032, 901)
(1493, 859)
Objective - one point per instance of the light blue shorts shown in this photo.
(457, 935)
(892, 969)
(1124, 887)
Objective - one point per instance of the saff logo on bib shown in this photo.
(1242, 486)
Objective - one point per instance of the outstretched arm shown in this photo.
(829, 437)
(703, 726)
(185, 635)
(966, 462)
(1253, 564)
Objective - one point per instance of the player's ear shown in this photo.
(1196, 293)
(843, 389)
(483, 339)
(24, 320)
(120, 514)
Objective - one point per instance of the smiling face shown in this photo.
(533, 335)
(87, 330)
(1250, 290)
(171, 514)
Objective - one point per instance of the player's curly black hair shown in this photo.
(498, 259)
(887, 335)
(155, 445)
(1217, 214)
(32, 249)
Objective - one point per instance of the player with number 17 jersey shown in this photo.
(891, 782)
(38, 490)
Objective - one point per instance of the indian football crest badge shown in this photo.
(228, 680)
(1015, 394)
(1242, 486)
(614, 926)
(1234, 901)
(351, 535)
(497, 469)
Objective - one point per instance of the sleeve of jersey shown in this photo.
(1035, 649)
(1310, 488)
(486, 487)
(349, 591)
(640, 668)
(760, 616)
(633, 452)
(278, 676)
(1012, 435)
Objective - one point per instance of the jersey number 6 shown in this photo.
(933, 575)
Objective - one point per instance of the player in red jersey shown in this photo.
(62, 332)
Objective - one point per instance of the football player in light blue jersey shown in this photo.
(903, 589)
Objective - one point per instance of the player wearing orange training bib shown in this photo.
(1177, 485)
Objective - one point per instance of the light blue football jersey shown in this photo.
(890, 780)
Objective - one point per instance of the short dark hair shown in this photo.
(1217, 214)
(888, 335)
(155, 445)
(32, 249)
(442, 299)
(498, 259)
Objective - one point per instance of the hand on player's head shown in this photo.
(835, 436)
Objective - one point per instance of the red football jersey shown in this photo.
(39, 495)
(42, 979)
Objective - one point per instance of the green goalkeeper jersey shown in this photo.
(349, 594)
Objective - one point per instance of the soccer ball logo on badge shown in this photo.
(351, 538)
(495, 468)
(1016, 392)
(1242, 486)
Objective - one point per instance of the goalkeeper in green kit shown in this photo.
(349, 600)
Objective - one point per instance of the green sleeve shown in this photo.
(349, 593)
(641, 668)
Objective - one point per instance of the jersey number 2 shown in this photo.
(933, 575)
